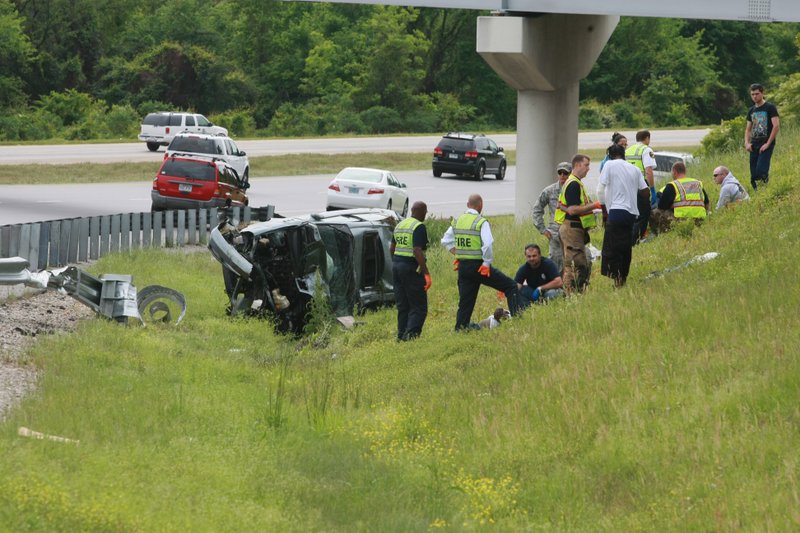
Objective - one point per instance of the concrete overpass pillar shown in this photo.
(543, 58)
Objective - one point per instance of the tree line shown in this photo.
(92, 68)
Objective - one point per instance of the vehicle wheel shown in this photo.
(153, 147)
(437, 173)
(389, 205)
(405, 210)
(480, 172)
(501, 172)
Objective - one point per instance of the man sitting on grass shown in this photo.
(538, 278)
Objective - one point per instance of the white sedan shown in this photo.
(367, 187)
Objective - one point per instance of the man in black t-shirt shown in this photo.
(762, 127)
(538, 278)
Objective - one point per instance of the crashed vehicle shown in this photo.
(274, 268)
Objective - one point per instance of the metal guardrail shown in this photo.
(56, 243)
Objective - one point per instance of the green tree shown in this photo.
(16, 57)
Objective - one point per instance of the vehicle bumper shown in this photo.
(151, 139)
(348, 201)
(226, 254)
(173, 202)
(454, 167)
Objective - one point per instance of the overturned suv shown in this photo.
(271, 269)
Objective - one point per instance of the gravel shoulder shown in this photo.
(26, 315)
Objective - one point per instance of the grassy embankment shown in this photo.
(265, 166)
(669, 405)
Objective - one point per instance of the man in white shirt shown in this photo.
(731, 191)
(620, 186)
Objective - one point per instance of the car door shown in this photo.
(394, 191)
(231, 185)
(234, 159)
(495, 154)
(203, 125)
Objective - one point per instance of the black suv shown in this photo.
(469, 154)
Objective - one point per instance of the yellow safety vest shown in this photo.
(633, 155)
(404, 237)
(467, 231)
(688, 198)
(587, 221)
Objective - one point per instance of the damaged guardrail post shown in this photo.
(111, 295)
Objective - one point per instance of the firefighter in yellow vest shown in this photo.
(641, 156)
(410, 273)
(682, 198)
(470, 239)
(576, 216)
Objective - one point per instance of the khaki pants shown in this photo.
(576, 264)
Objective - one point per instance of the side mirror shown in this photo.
(242, 153)
(245, 185)
(402, 185)
(499, 149)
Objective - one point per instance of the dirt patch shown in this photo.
(25, 316)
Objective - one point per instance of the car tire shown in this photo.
(153, 147)
(437, 173)
(501, 172)
(480, 172)
(405, 209)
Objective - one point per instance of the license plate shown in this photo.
(452, 156)
(353, 190)
(183, 187)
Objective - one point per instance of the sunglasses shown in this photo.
(563, 173)
(718, 174)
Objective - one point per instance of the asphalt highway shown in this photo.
(291, 195)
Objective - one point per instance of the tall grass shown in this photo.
(670, 404)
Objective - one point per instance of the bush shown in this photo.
(595, 116)
(71, 106)
(121, 121)
(727, 137)
(239, 122)
(379, 119)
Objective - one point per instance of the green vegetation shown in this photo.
(79, 69)
(667, 405)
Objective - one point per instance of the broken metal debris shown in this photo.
(275, 268)
(694, 260)
(111, 295)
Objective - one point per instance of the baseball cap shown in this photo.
(564, 166)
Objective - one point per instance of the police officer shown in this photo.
(641, 156)
(470, 239)
(410, 273)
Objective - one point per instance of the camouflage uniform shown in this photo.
(549, 197)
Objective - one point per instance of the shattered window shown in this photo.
(339, 274)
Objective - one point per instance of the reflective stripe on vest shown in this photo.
(404, 237)
(587, 221)
(467, 231)
(688, 199)
(633, 155)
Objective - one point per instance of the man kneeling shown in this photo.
(538, 278)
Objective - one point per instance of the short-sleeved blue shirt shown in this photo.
(536, 277)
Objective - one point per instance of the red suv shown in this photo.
(192, 182)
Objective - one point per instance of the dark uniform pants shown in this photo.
(469, 283)
(410, 298)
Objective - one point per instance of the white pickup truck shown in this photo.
(158, 129)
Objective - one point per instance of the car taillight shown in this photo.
(167, 130)
(375, 190)
(155, 183)
(334, 187)
(438, 152)
(471, 155)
